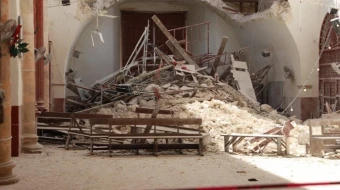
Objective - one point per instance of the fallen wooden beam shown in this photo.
(154, 115)
(177, 55)
(150, 111)
(219, 54)
(320, 122)
(173, 41)
(144, 76)
(147, 121)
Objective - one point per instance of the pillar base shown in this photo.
(30, 145)
(6, 175)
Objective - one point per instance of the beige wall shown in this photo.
(292, 40)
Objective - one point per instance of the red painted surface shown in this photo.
(59, 104)
(39, 42)
(16, 126)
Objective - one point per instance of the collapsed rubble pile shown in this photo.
(219, 117)
(227, 103)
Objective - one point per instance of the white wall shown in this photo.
(65, 27)
(103, 59)
(278, 30)
(219, 28)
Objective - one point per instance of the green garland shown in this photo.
(17, 48)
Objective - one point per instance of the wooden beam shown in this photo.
(174, 42)
(70, 115)
(150, 111)
(219, 53)
(177, 55)
(146, 121)
(320, 122)
(154, 115)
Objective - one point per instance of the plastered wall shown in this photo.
(291, 34)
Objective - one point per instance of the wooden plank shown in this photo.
(70, 115)
(173, 129)
(55, 114)
(53, 120)
(147, 121)
(163, 56)
(219, 53)
(154, 115)
(154, 135)
(328, 108)
(177, 55)
(149, 146)
(174, 42)
(326, 137)
(254, 135)
(271, 131)
(150, 111)
(319, 122)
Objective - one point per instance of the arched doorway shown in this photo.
(329, 80)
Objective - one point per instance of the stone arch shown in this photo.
(329, 80)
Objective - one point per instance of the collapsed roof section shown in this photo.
(225, 8)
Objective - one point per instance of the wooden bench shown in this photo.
(52, 121)
(276, 134)
(136, 145)
(327, 140)
(235, 139)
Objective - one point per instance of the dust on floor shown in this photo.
(57, 168)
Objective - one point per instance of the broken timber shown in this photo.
(173, 41)
(154, 115)
(219, 53)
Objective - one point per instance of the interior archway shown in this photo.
(329, 80)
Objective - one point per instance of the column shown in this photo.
(46, 66)
(29, 131)
(6, 164)
(39, 42)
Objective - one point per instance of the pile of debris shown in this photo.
(226, 104)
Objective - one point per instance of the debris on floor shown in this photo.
(190, 88)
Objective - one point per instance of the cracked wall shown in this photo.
(290, 34)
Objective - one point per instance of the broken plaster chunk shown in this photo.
(151, 103)
(142, 103)
(209, 83)
(174, 87)
(234, 103)
(242, 104)
(134, 101)
(273, 114)
(185, 88)
(132, 108)
(120, 108)
(294, 118)
(266, 108)
(166, 85)
(204, 85)
(330, 154)
(151, 87)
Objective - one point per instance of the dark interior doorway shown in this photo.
(134, 23)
